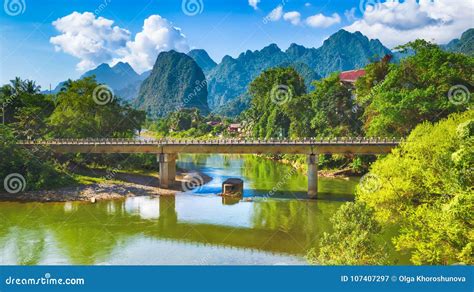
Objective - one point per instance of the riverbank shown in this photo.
(121, 185)
(345, 173)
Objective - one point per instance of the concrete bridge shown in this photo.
(168, 149)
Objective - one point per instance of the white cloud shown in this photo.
(92, 40)
(396, 23)
(158, 35)
(307, 4)
(254, 3)
(275, 14)
(294, 17)
(95, 41)
(320, 20)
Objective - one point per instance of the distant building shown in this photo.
(350, 77)
(214, 123)
(234, 128)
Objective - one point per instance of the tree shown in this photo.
(427, 187)
(335, 111)
(272, 93)
(416, 90)
(352, 241)
(25, 108)
(79, 113)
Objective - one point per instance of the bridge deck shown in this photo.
(174, 146)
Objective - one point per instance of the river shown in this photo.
(193, 228)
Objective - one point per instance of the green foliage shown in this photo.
(352, 241)
(335, 112)
(414, 91)
(35, 165)
(427, 186)
(269, 114)
(24, 108)
(78, 115)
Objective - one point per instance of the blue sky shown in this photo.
(33, 46)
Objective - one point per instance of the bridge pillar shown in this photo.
(167, 170)
(312, 176)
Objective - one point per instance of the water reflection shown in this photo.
(198, 228)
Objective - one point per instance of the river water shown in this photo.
(274, 223)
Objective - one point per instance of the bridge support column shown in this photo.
(312, 176)
(167, 170)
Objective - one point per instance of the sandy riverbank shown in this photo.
(124, 185)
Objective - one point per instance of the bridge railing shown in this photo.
(231, 141)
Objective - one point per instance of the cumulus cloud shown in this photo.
(321, 20)
(96, 40)
(92, 40)
(294, 17)
(395, 22)
(254, 3)
(275, 14)
(158, 35)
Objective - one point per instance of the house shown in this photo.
(350, 77)
(234, 128)
(214, 123)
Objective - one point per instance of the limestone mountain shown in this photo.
(176, 81)
(341, 51)
(203, 60)
(123, 80)
(463, 45)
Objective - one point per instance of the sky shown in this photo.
(52, 40)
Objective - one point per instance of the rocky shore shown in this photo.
(124, 185)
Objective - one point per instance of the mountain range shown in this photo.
(227, 81)
(463, 45)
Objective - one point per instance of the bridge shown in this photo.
(168, 149)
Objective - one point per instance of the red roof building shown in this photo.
(351, 76)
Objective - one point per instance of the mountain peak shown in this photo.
(176, 81)
(271, 48)
(203, 60)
